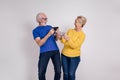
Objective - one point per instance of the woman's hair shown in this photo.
(84, 20)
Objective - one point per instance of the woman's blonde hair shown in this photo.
(84, 20)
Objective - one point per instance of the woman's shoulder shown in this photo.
(82, 33)
(70, 29)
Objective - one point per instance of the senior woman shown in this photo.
(72, 41)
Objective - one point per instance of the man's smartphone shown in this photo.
(55, 28)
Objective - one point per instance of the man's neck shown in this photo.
(42, 24)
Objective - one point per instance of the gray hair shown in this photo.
(38, 17)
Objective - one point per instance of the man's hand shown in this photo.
(51, 32)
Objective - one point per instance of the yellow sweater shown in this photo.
(72, 47)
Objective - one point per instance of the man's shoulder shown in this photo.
(48, 26)
(41, 27)
(36, 29)
(69, 30)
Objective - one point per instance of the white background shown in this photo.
(100, 51)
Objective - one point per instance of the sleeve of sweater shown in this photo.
(73, 43)
(63, 40)
(77, 43)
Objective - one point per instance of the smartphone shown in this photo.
(55, 28)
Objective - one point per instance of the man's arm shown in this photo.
(40, 41)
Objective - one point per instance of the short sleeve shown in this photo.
(35, 34)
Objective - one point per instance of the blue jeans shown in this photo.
(69, 66)
(43, 62)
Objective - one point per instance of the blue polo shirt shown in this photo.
(50, 44)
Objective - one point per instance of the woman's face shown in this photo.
(78, 23)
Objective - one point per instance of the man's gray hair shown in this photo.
(38, 17)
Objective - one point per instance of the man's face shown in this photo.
(43, 19)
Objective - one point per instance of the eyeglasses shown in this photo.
(44, 18)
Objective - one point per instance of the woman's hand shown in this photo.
(66, 37)
(57, 34)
